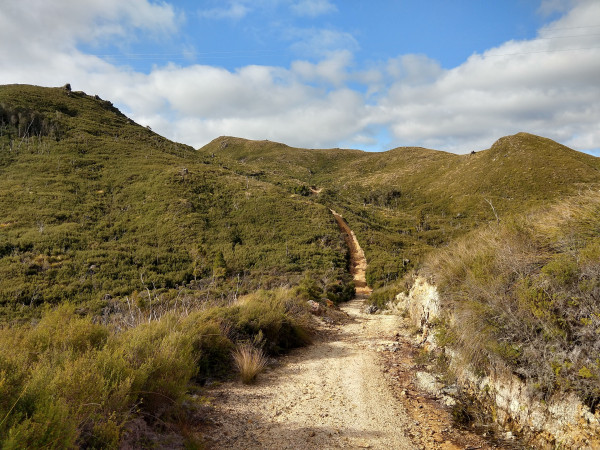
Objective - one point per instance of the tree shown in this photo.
(219, 266)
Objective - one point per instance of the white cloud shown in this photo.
(62, 23)
(255, 102)
(320, 42)
(414, 69)
(313, 8)
(316, 122)
(334, 70)
(548, 7)
(542, 86)
(235, 10)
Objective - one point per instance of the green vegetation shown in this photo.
(95, 209)
(529, 290)
(132, 267)
(68, 381)
(405, 202)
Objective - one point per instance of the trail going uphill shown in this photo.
(358, 262)
(333, 394)
(329, 395)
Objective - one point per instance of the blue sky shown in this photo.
(233, 34)
(373, 75)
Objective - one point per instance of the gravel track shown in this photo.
(330, 395)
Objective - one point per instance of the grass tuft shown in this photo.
(249, 361)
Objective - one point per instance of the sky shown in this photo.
(373, 75)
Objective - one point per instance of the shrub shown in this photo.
(212, 347)
(162, 360)
(382, 296)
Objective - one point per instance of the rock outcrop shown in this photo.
(558, 423)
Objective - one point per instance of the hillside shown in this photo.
(528, 289)
(133, 266)
(407, 201)
(94, 207)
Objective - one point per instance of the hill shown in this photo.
(95, 207)
(404, 202)
(133, 266)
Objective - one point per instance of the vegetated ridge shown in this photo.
(407, 201)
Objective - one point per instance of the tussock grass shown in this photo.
(249, 361)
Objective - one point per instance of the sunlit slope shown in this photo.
(94, 206)
(519, 167)
(405, 201)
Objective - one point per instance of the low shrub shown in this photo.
(383, 296)
(68, 382)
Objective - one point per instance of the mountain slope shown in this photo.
(94, 206)
(404, 202)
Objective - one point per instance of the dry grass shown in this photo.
(249, 361)
(529, 289)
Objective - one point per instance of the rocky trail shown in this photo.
(352, 388)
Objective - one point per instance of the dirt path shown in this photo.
(330, 395)
(341, 392)
(358, 262)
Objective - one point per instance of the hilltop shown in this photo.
(404, 202)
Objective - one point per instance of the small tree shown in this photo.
(219, 266)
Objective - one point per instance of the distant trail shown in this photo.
(358, 262)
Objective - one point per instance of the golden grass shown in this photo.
(249, 361)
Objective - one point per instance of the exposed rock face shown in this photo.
(423, 306)
(561, 422)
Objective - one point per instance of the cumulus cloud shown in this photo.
(414, 69)
(62, 23)
(546, 85)
(255, 102)
(548, 7)
(334, 70)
